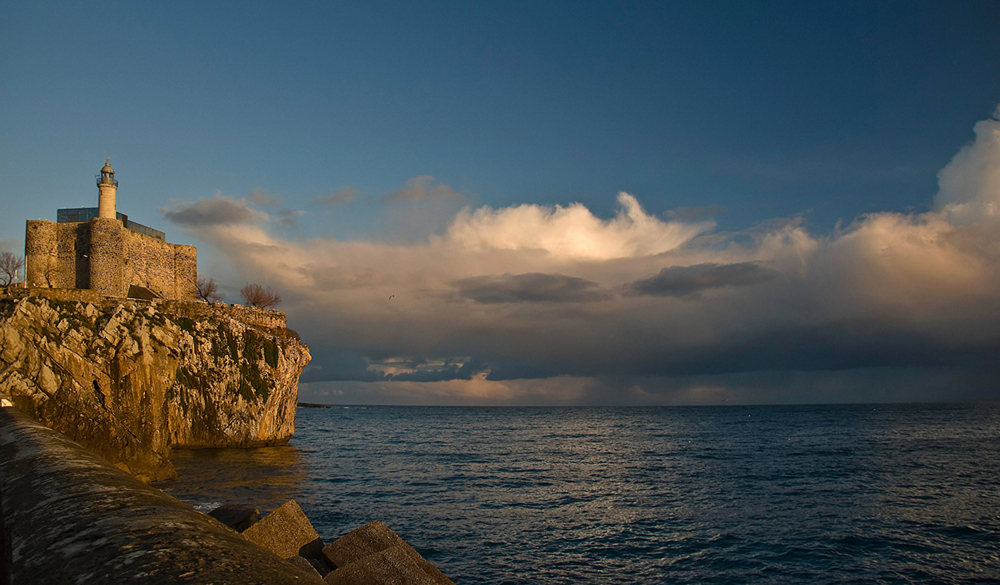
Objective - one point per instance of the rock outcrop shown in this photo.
(130, 379)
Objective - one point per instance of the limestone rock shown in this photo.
(286, 532)
(129, 379)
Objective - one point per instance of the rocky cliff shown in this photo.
(130, 379)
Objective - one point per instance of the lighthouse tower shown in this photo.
(107, 185)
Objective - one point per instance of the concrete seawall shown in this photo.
(68, 516)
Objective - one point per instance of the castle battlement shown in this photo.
(106, 255)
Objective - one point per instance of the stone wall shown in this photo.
(57, 254)
(195, 310)
(104, 256)
(168, 269)
(200, 311)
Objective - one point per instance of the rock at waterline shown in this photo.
(374, 551)
(237, 517)
(286, 532)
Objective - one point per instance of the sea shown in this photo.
(889, 493)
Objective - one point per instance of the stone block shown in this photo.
(237, 517)
(305, 565)
(372, 539)
(359, 543)
(320, 565)
(286, 532)
(392, 566)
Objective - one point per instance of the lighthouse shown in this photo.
(107, 185)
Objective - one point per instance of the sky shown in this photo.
(549, 203)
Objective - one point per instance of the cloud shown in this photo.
(515, 305)
(288, 217)
(571, 232)
(262, 197)
(345, 195)
(533, 287)
(423, 187)
(222, 210)
(219, 210)
(683, 281)
(970, 184)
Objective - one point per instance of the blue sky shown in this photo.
(756, 115)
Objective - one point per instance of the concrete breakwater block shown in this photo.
(237, 517)
(393, 565)
(286, 532)
(376, 554)
(305, 565)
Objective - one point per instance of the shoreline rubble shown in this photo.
(68, 515)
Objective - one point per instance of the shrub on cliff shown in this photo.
(208, 290)
(10, 267)
(256, 295)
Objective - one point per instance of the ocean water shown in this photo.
(810, 494)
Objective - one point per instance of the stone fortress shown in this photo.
(102, 250)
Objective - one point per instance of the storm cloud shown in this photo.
(552, 304)
(533, 287)
(690, 280)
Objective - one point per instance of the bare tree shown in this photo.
(10, 266)
(208, 290)
(256, 295)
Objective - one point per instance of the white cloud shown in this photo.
(571, 232)
(970, 183)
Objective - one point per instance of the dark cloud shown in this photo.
(681, 281)
(339, 366)
(352, 366)
(287, 217)
(219, 210)
(532, 287)
(423, 187)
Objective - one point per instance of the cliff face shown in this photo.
(130, 379)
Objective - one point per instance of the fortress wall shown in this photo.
(104, 256)
(168, 269)
(186, 271)
(200, 310)
(196, 310)
(107, 253)
(73, 255)
(56, 254)
(68, 294)
(39, 251)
